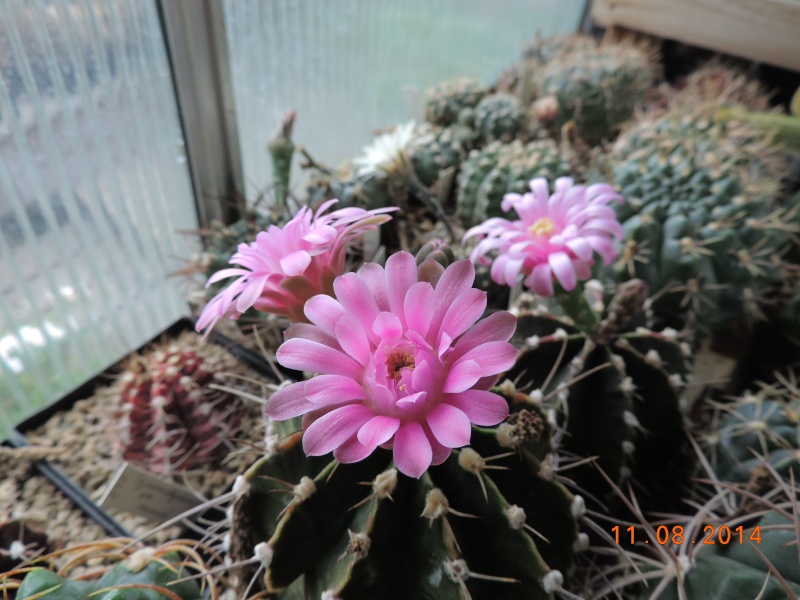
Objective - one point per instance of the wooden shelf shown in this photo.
(761, 30)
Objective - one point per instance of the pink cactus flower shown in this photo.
(556, 236)
(403, 363)
(286, 266)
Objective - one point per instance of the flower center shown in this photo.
(397, 360)
(543, 226)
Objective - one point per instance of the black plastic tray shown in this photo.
(61, 481)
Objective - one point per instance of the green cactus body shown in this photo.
(498, 169)
(699, 217)
(464, 529)
(350, 188)
(755, 426)
(736, 571)
(616, 393)
(498, 117)
(548, 49)
(125, 581)
(444, 102)
(441, 149)
(598, 90)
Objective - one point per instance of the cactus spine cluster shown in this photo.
(700, 216)
(491, 521)
(170, 418)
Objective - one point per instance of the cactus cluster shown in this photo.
(439, 150)
(444, 102)
(498, 169)
(700, 216)
(615, 387)
(598, 90)
(170, 418)
(491, 521)
(498, 117)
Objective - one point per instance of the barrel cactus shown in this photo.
(498, 169)
(598, 90)
(349, 187)
(444, 102)
(700, 217)
(438, 150)
(170, 419)
(615, 387)
(756, 427)
(489, 522)
(498, 117)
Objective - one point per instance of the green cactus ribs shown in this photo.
(615, 392)
(444, 102)
(144, 575)
(170, 419)
(597, 89)
(700, 218)
(488, 522)
(498, 169)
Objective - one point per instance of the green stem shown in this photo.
(785, 129)
(577, 308)
(281, 150)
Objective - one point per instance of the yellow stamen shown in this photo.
(543, 226)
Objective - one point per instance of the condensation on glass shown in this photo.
(94, 190)
(355, 66)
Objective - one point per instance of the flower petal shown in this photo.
(324, 311)
(563, 270)
(497, 327)
(288, 402)
(450, 426)
(417, 307)
(462, 377)
(324, 390)
(460, 317)
(401, 274)
(305, 355)
(334, 428)
(296, 262)
(493, 357)
(378, 430)
(352, 451)
(412, 450)
(482, 408)
(353, 339)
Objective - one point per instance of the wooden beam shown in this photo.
(761, 30)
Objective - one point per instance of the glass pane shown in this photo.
(353, 66)
(94, 189)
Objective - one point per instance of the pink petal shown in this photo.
(324, 390)
(417, 307)
(353, 339)
(482, 408)
(422, 378)
(309, 332)
(412, 401)
(387, 326)
(324, 312)
(460, 317)
(375, 277)
(225, 273)
(354, 295)
(401, 274)
(378, 430)
(333, 429)
(412, 450)
(450, 426)
(289, 402)
(462, 377)
(493, 357)
(305, 355)
(440, 453)
(456, 279)
(563, 269)
(352, 451)
(581, 248)
(296, 262)
(250, 293)
(497, 327)
(541, 280)
(322, 234)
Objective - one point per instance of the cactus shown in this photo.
(350, 188)
(757, 427)
(444, 102)
(718, 84)
(598, 90)
(699, 216)
(498, 117)
(170, 419)
(489, 522)
(545, 50)
(146, 574)
(439, 149)
(19, 542)
(615, 388)
(498, 169)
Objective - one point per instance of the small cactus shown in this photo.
(170, 418)
(440, 149)
(444, 102)
(498, 169)
(498, 117)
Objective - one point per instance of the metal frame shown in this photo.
(196, 41)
